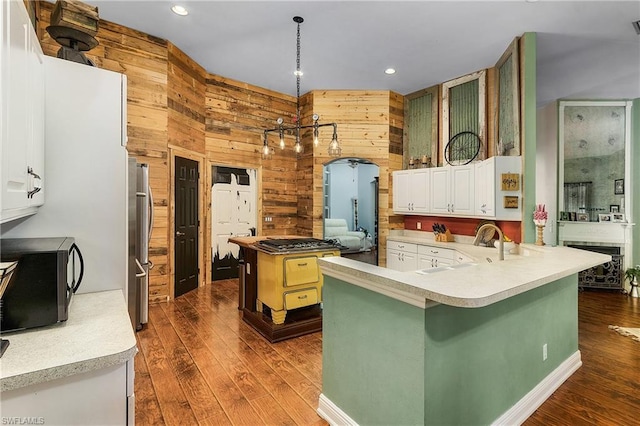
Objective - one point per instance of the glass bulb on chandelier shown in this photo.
(334, 147)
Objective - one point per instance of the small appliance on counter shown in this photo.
(6, 273)
(48, 273)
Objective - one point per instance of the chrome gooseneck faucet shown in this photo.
(501, 241)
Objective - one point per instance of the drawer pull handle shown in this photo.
(302, 297)
(302, 264)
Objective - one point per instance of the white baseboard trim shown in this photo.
(332, 413)
(524, 408)
(516, 415)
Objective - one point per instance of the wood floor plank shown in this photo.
(259, 383)
(199, 396)
(173, 403)
(147, 405)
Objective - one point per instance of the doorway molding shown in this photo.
(376, 200)
(203, 177)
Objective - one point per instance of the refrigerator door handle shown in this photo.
(142, 272)
(150, 226)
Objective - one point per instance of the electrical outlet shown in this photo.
(419, 225)
(544, 352)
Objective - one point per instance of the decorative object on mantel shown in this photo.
(74, 25)
(633, 332)
(540, 219)
(632, 274)
(334, 147)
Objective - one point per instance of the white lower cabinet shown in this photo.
(434, 257)
(100, 397)
(402, 256)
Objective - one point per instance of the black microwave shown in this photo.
(48, 273)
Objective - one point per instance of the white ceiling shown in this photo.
(586, 49)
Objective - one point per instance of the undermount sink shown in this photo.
(445, 268)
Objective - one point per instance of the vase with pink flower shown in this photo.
(540, 220)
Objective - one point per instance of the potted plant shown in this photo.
(632, 274)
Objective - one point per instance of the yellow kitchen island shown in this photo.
(281, 284)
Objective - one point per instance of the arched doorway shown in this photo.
(350, 195)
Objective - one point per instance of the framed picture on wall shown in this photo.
(618, 186)
(614, 208)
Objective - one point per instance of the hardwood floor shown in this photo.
(199, 363)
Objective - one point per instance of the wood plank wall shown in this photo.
(369, 126)
(175, 108)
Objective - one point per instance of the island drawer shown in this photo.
(300, 298)
(436, 252)
(301, 270)
(400, 246)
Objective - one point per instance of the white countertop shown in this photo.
(98, 334)
(473, 286)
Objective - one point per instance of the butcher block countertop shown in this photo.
(98, 334)
(482, 282)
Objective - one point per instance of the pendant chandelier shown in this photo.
(334, 147)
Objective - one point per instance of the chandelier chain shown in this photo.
(298, 85)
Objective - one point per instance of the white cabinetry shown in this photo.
(433, 257)
(22, 113)
(411, 191)
(452, 190)
(402, 256)
(489, 193)
(100, 397)
(471, 190)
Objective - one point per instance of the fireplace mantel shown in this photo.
(614, 234)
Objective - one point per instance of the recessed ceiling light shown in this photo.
(390, 71)
(179, 10)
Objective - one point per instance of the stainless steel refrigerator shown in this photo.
(140, 224)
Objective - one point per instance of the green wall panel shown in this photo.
(529, 143)
(389, 363)
(372, 357)
(472, 377)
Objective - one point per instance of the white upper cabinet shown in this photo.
(452, 190)
(411, 191)
(487, 189)
(22, 114)
(498, 188)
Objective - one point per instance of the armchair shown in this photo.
(336, 229)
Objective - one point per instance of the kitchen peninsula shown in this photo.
(423, 348)
(281, 284)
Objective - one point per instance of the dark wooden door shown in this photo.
(186, 225)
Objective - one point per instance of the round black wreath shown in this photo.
(462, 148)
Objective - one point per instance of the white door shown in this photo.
(233, 214)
